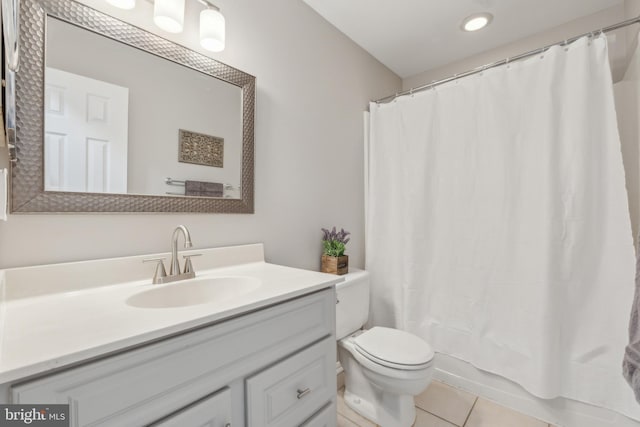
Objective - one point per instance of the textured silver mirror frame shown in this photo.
(27, 174)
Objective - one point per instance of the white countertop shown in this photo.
(51, 330)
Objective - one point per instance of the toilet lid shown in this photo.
(394, 348)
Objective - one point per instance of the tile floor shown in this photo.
(445, 406)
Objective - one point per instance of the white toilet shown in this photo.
(384, 368)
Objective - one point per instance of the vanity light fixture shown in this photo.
(476, 22)
(123, 4)
(212, 27)
(169, 16)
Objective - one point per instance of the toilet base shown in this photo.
(397, 411)
(364, 397)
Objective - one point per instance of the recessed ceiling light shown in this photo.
(476, 21)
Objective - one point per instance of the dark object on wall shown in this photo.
(201, 149)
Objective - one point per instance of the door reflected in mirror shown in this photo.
(124, 121)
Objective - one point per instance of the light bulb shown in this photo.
(212, 30)
(476, 22)
(169, 15)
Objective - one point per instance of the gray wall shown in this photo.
(631, 10)
(312, 85)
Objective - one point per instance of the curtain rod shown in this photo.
(507, 60)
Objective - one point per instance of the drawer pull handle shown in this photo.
(303, 393)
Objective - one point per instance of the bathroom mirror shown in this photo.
(112, 118)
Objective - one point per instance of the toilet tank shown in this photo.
(352, 307)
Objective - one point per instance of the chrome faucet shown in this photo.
(175, 264)
(160, 275)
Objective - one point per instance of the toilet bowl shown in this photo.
(384, 368)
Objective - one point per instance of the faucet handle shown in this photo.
(188, 267)
(160, 271)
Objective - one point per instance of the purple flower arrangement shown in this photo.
(334, 242)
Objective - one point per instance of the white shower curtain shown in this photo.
(497, 223)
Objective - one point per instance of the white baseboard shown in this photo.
(560, 412)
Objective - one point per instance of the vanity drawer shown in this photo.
(326, 417)
(289, 392)
(211, 411)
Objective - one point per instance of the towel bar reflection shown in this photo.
(179, 183)
(171, 181)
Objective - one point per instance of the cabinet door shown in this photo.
(288, 393)
(211, 411)
(326, 417)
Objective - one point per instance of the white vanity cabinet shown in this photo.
(326, 417)
(211, 411)
(271, 367)
(287, 393)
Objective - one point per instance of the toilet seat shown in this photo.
(394, 349)
(392, 365)
(368, 363)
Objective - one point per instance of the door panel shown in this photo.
(93, 115)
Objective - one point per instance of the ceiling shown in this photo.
(411, 36)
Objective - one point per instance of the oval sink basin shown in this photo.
(194, 292)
